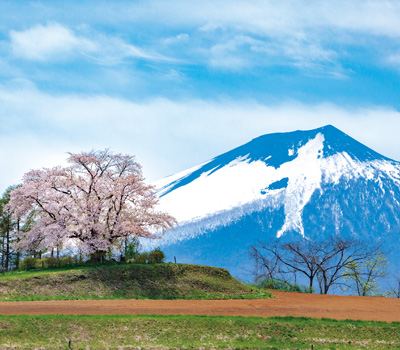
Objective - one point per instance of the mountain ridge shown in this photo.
(273, 141)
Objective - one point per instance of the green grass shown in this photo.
(40, 272)
(126, 281)
(194, 332)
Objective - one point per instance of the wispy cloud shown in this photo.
(55, 42)
(243, 52)
(272, 18)
(311, 35)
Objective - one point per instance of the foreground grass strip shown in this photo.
(126, 281)
(193, 332)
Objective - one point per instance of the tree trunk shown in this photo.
(17, 257)
(326, 287)
(7, 252)
(310, 288)
(2, 253)
(58, 256)
(98, 257)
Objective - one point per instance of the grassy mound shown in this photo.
(130, 281)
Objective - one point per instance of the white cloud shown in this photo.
(167, 136)
(394, 59)
(57, 42)
(227, 54)
(47, 42)
(177, 39)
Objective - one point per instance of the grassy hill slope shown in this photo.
(130, 281)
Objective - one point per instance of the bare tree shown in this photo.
(277, 259)
(338, 255)
(324, 259)
(394, 287)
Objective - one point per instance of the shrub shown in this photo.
(67, 260)
(156, 256)
(28, 264)
(273, 283)
(131, 249)
(41, 262)
(52, 262)
(142, 258)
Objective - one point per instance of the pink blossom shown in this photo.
(97, 200)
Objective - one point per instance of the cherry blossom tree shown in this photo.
(98, 200)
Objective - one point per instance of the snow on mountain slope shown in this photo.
(221, 187)
(300, 182)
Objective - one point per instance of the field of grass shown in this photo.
(127, 281)
(193, 332)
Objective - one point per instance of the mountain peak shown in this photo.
(329, 127)
(277, 149)
(335, 141)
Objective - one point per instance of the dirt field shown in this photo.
(284, 304)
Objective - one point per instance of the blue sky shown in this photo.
(178, 82)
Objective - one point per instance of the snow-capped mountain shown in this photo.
(303, 182)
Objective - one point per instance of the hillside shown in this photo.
(130, 281)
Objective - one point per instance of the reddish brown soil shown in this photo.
(284, 304)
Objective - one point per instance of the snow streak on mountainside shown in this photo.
(303, 182)
(275, 169)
